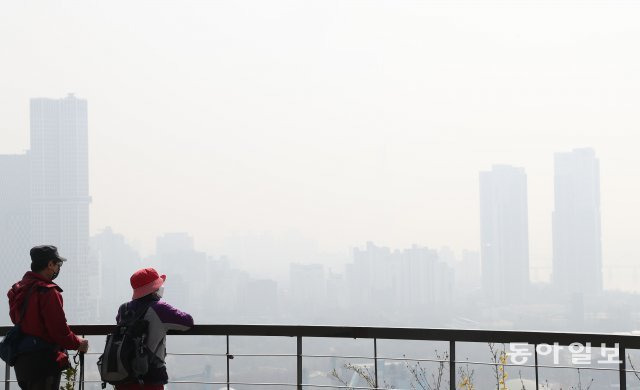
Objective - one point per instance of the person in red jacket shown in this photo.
(42, 354)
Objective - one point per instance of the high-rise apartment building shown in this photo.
(117, 261)
(504, 233)
(307, 284)
(577, 250)
(15, 238)
(399, 280)
(60, 194)
(421, 278)
(368, 277)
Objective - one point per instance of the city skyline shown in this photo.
(340, 193)
(398, 280)
(342, 133)
(49, 115)
(78, 190)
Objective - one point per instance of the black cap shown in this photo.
(42, 253)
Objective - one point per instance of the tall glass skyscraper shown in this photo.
(504, 233)
(59, 171)
(577, 248)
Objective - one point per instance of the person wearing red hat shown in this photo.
(35, 304)
(148, 288)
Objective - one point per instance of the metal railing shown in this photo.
(450, 336)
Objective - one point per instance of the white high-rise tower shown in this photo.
(577, 249)
(60, 194)
(504, 233)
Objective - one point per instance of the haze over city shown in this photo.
(449, 166)
(324, 125)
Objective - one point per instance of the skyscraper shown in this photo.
(60, 193)
(504, 233)
(117, 261)
(399, 280)
(577, 250)
(15, 238)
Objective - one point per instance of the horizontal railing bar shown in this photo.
(581, 368)
(304, 356)
(373, 358)
(339, 357)
(178, 354)
(232, 383)
(213, 383)
(234, 354)
(458, 335)
(326, 386)
(588, 368)
(400, 359)
(473, 363)
(414, 359)
(347, 387)
(260, 384)
(240, 383)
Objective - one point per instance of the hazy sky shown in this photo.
(333, 121)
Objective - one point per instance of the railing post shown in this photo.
(81, 378)
(535, 356)
(228, 358)
(7, 376)
(299, 363)
(622, 353)
(452, 365)
(375, 362)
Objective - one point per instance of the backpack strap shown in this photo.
(128, 316)
(25, 303)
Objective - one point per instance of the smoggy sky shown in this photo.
(335, 122)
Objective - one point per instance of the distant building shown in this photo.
(117, 262)
(307, 284)
(15, 236)
(467, 271)
(468, 276)
(176, 255)
(577, 248)
(171, 243)
(368, 277)
(504, 233)
(186, 270)
(44, 199)
(337, 291)
(260, 298)
(447, 255)
(225, 288)
(421, 278)
(59, 174)
(399, 280)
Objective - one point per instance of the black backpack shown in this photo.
(126, 357)
(10, 344)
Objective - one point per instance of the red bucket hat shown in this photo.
(145, 281)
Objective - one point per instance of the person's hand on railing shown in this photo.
(84, 345)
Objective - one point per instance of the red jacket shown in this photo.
(44, 315)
